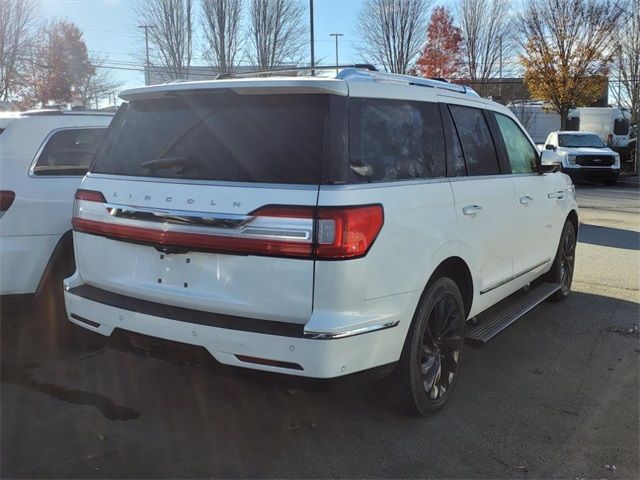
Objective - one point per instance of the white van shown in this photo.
(320, 227)
(43, 156)
(537, 118)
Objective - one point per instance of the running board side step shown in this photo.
(495, 320)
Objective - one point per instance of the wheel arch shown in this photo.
(62, 252)
(458, 270)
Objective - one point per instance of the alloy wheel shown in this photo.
(441, 347)
(567, 260)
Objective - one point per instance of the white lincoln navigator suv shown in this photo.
(320, 227)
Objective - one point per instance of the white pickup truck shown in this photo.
(583, 156)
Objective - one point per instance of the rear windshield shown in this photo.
(218, 136)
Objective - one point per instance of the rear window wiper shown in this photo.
(180, 164)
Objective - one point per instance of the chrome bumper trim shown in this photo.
(349, 333)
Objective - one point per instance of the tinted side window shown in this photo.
(455, 158)
(395, 140)
(522, 155)
(479, 150)
(621, 126)
(68, 152)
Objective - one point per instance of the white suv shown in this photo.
(319, 227)
(43, 156)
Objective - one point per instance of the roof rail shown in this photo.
(176, 80)
(44, 111)
(406, 80)
(56, 111)
(359, 66)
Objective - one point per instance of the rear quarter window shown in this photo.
(68, 151)
(395, 140)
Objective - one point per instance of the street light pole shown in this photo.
(336, 35)
(313, 56)
(500, 39)
(146, 45)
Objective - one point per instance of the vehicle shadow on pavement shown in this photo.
(609, 237)
(546, 391)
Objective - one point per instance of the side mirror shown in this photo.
(548, 146)
(549, 161)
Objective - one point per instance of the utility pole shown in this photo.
(312, 39)
(146, 45)
(619, 73)
(336, 35)
(500, 40)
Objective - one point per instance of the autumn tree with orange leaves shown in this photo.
(567, 49)
(442, 54)
(58, 64)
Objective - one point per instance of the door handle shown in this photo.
(558, 195)
(471, 210)
(526, 199)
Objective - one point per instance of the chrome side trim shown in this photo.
(422, 181)
(503, 282)
(349, 333)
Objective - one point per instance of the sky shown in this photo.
(111, 32)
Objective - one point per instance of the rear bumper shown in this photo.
(592, 174)
(240, 341)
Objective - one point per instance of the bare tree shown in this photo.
(277, 32)
(567, 47)
(486, 27)
(392, 32)
(628, 62)
(221, 25)
(170, 34)
(97, 84)
(17, 27)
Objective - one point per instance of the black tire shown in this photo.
(435, 342)
(611, 183)
(564, 264)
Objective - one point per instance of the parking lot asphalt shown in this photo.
(555, 395)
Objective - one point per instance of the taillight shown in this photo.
(329, 233)
(347, 232)
(82, 196)
(90, 196)
(610, 139)
(6, 200)
(340, 232)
